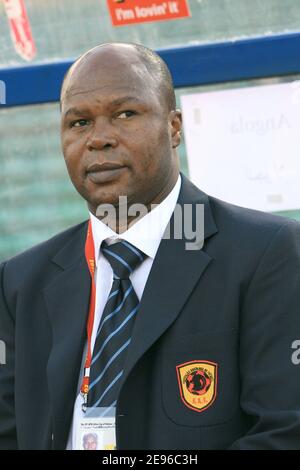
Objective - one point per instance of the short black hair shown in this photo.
(157, 67)
(154, 64)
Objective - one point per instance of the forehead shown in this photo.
(110, 75)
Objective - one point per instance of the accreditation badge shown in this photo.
(96, 429)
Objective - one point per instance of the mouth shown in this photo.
(104, 172)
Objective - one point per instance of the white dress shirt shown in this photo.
(145, 234)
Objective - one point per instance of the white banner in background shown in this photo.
(243, 145)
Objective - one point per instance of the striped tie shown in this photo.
(115, 328)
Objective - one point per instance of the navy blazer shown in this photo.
(225, 315)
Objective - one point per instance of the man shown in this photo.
(207, 361)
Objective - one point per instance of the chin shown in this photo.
(106, 199)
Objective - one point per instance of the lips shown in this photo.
(104, 172)
(106, 166)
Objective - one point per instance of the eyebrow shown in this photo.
(76, 111)
(124, 99)
(80, 111)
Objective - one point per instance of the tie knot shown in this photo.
(123, 257)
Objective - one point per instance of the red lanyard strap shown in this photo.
(90, 259)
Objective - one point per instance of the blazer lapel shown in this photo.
(174, 273)
(67, 300)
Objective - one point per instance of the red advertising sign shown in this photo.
(141, 11)
(20, 30)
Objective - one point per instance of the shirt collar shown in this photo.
(144, 234)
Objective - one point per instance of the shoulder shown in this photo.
(236, 215)
(34, 260)
(249, 228)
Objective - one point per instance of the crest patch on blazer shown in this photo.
(197, 384)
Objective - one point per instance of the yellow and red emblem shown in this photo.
(198, 384)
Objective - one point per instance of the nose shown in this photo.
(102, 136)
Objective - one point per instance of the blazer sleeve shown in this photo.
(269, 324)
(8, 438)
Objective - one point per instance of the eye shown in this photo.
(126, 114)
(79, 123)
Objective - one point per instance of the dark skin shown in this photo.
(118, 136)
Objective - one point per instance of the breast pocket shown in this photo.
(200, 379)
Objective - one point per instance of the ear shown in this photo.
(175, 120)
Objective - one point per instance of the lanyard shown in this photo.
(90, 259)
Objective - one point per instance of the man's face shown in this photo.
(117, 133)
